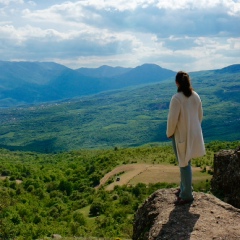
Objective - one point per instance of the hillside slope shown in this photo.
(125, 118)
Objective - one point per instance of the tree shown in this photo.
(7, 230)
(95, 179)
(96, 208)
(66, 186)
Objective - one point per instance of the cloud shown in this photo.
(30, 42)
(177, 43)
(161, 17)
(170, 33)
(8, 2)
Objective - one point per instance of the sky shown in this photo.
(189, 35)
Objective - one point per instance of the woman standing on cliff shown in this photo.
(184, 128)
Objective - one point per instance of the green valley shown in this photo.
(121, 118)
(60, 161)
(46, 194)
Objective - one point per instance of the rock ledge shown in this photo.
(206, 218)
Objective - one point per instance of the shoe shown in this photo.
(177, 193)
(181, 201)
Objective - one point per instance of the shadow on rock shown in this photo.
(180, 224)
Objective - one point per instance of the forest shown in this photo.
(56, 193)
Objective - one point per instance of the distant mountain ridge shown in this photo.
(235, 68)
(29, 72)
(103, 71)
(36, 82)
(121, 118)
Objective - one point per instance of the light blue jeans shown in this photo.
(186, 177)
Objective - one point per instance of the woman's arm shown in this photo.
(173, 115)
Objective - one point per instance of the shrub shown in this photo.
(96, 208)
(79, 218)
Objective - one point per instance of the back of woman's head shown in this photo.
(184, 83)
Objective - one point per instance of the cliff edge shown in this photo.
(206, 218)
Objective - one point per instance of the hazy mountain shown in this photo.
(235, 68)
(147, 73)
(17, 73)
(35, 82)
(72, 84)
(103, 71)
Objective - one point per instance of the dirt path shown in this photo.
(128, 172)
(145, 173)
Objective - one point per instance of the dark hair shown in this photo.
(183, 79)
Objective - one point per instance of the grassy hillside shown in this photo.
(124, 118)
(45, 194)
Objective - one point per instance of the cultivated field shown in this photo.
(132, 174)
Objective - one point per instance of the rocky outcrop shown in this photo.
(225, 182)
(206, 218)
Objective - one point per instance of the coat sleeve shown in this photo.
(173, 115)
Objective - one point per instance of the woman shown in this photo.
(184, 128)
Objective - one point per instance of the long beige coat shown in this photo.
(184, 122)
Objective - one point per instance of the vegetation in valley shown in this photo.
(45, 194)
(54, 155)
(126, 118)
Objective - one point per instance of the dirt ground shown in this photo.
(4, 178)
(147, 173)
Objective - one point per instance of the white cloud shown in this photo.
(230, 6)
(164, 18)
(51, 44)
(32, 3)
(8, 2)
(170, 33)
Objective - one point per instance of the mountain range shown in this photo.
(124, 108)
(35, 82)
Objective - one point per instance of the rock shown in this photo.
(206, 218)
(56, 236)
(226, 176)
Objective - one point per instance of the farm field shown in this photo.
(132, 174)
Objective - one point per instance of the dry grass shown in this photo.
(148, 173)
